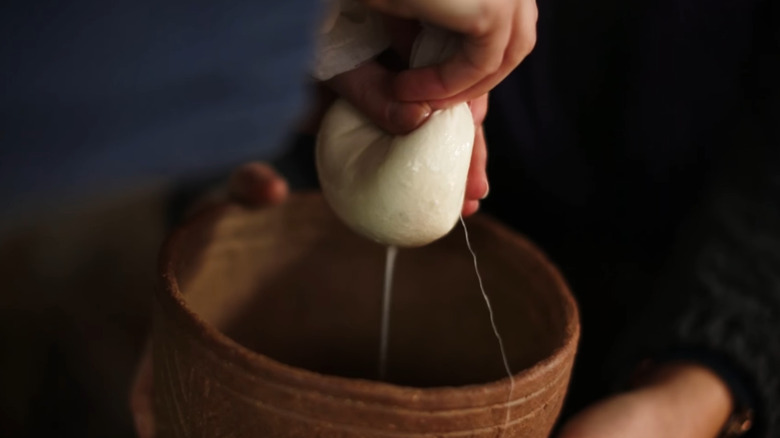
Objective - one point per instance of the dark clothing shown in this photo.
(639, 146)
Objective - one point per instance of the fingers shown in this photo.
(479, 57)
(257, 185)
(141, 396)
(253, 184)
(469, 207)
(484, 60)
(477, 183)
(479, 108)
(456, 15)
(368, 88)
(520, 45)
(477, 186)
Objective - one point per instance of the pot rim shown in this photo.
(261, 367)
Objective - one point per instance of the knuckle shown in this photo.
(529, 42)
(490, 65)
(524, 47)
(481, 25)
(528, 30)
(484, 19)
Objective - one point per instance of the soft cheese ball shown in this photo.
(401, 190)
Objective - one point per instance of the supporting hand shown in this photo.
(255, 185)
(679, 401)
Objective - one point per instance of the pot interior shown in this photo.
(292, 283)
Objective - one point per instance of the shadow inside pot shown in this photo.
(310, 297)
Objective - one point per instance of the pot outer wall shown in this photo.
(207, 385)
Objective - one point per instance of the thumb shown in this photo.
(369, 89)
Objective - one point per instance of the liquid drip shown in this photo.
(387, 295)
(493, 324)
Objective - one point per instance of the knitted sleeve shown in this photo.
(722, 291)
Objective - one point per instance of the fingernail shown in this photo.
(407, 116)
(487, 190)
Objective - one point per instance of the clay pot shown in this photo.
(267, 325)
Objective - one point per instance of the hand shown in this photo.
(678, 401)
(367, 88)
(498, 35)
(363, 87)
(254, 184)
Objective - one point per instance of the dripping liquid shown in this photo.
(390, 257)
(387, 295)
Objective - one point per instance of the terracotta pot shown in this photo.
(267, 325)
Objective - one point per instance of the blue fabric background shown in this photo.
(108, 95)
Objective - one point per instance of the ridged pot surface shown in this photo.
(267, 325)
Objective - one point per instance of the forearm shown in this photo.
(690, 399)
(676, 400)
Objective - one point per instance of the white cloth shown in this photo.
(355, 36)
